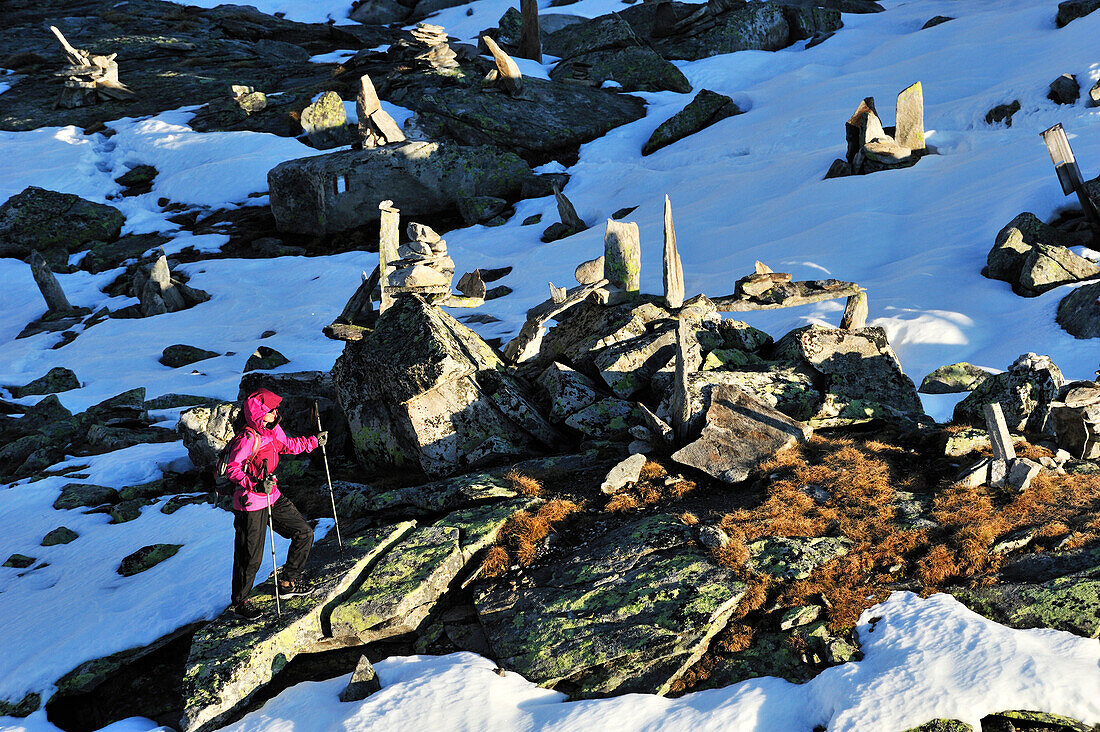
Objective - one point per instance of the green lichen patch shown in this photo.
(146, 558)
(1069, 603)
(478, 526)
(25, 707)
(643, 598)
(231, 658)
(76, 495)
(398, 592)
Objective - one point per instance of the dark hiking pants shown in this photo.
(251, 533)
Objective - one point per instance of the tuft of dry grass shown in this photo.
(652, 470)
(681, 488)
(496, 561)
(557, 509)
(525, 485)
(689, 518)
(622, 502)
(523, 531)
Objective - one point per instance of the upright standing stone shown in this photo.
(909, 130)
(622, 251)
(364, 682)
(567, 212)
(673, 269)
(854, 127)
(389, 234)
(530, 41)
(508, 73)
(855, 312)
(366, 104)
(681, 400)
(999, 436)
(56, 302)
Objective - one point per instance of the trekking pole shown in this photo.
(274, 565)
(331, 495)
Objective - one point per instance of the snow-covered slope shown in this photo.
(748, 188)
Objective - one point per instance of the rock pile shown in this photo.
(430, 49)
(88, 77)
(423, 263)
(1035, 257)
(158, 291)
(871, 147)
(376, 126)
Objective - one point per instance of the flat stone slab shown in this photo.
(401, 590)
(442, 495)
(1070, 603)
(630, 611)
(232, 658)
(478, 526)
(789, 295)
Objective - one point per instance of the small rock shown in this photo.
(146, 557)
(183, 355)
(1020, 474)
(19, 561)
(414, 249)
(953, 379)
(590, 272)
(1094, 95)
(798, 616)
(1003, 113)
(626, 472)
(364, 682)
(422, 233)
(60, 535)
(1064, 90)
(265, 359)
(77, 495)
(712, 537)
(138, 176)
(56, 380)
(937, 20)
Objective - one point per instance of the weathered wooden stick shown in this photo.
(56, 302)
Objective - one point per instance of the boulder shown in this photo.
(1075, 417)
(265, 359)
(1070, 603)
(953, 379)
(625, 473)
(39, 219)
(1079, 312)
(1024, 392)
(1070, 10)
(788, 389)
(183, 355)
(1033, 257)
(1064, 90)
(325, 122)
(588, 327)
(421, 178)
(1002, 113)
(864, 380)
(18, 561)
(402, 588)
(364, 682)
(628, 611)
(706, 109)
(55, 380)
(627, 366)
(606, 418)
(78, 495)
(738, 433)
(550, 117)
(231, 658)
(206, 431)
(434, 401)
(567, 391)
(146, 558)
(60, 535)
(693, 35)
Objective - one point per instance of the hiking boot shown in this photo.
(246, 610)
(293, 587)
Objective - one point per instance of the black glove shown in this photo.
(266, 485)
(322, 438)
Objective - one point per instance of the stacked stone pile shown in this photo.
(871, 147)
(431, 49)
(423, 261)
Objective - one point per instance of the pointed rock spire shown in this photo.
(673, 269)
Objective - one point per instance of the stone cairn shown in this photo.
(376, 126)
(430, 49)
(872, 147)
(89, 78)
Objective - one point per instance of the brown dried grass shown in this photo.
(525, 485)
(496, 561)
(689, 518)
(652, 470)
(622, 502)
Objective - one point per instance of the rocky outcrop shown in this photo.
(341, 190)
(630, 611)
(1075, 419)
(206, 431)
(1024, 392)
(1033, 257)
(706, 109)
(1070, 10)
(43, 220)
(440, 402)
(1079, 312)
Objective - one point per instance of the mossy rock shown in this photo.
(942, 725)
(179, 355)
(103, 256)
(146, 558)
(56, 380)
(128, 510)
(953, 379)
(60, 535)
(175, 503)
(38, 219)
(1070, 603)
(706, 109)
(25, 707)
(175, 401)
(794, 557)
(1042, 720)
(19, 561)
(139, 175)
(77, 495)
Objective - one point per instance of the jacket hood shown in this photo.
(258, 404)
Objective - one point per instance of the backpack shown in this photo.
(223, 486)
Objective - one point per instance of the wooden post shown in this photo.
(622, 251)
(673, 269)
(56, 302)
(1069, 174)
(389, 234)
(530, 42)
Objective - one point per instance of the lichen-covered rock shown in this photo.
(146, 558)
(788, 389)
(356, 500)
(942, 725)
(18, 561)
(584, 329)
(478, 526)
(628, 612)
(568, 391)
(605, 418)
(1025, 719)
(1075, 417)
(627, 366)
(1079, 312)
(232, 658)
(1024, 392)
(1033, 257)
(634, 68)
(325, 122)
(428, 401)
(38, 219)
(739, 433)
(77, 495)
(402, 588)
(864, 376)
(421, 178)
(25, 707)
(742, 336)
(794, 558)
(265, 359)
(749, 26)
(953, 379)
(60, 535)
(706, 109)
(1070, 603)
(55, 380)
(206, 430)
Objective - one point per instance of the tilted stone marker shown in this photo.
(1069, 174)
(89, 77)
(507, 72)
(56, 302)
(909, 127)
(622, 251)
(388, 237)
(672, 268)
(376, 126)
(681, 399)
(530, 40)
(364, 682)
(567, 212)
(999, 436)
(855, 312)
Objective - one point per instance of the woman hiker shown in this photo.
(253, 457)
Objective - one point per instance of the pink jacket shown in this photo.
(247, 453)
